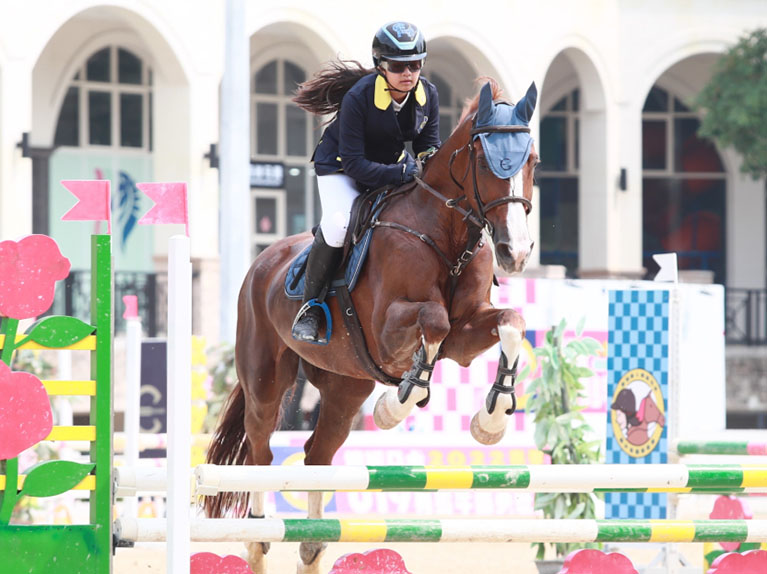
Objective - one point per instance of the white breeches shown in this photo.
(337, 193)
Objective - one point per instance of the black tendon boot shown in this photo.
(320, 267)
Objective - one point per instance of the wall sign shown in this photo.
(267, 174)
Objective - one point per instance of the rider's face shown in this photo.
(404, 80)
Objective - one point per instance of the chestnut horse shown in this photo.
(424, 295)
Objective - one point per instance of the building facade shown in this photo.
(130, 90)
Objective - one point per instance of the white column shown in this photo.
(746, 226)
(15, 171)
(626, 221)
(235, 206)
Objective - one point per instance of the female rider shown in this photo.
(377, 111)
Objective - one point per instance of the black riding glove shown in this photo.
(410, 168)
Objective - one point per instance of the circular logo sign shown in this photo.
(637, 413)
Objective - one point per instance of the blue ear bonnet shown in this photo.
(505, 153)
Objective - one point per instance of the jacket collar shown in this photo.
(382, 98)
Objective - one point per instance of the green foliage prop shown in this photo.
(560, 427)
(734, 102)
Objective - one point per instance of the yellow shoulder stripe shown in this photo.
(420, 94)
(382, 98)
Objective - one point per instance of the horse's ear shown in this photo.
(526, 106)
(485, 106)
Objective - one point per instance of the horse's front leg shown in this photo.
(406, 322)
(485, 328)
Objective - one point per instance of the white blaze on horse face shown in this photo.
(516, 225)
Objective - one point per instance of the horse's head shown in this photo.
(502, 160)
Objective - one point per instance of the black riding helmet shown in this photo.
(398, 41)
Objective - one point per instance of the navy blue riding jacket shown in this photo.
(367, 139)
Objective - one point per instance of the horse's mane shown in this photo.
(322, 94)
(471, 105)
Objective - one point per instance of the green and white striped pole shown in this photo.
(451, 530)
(706, 478)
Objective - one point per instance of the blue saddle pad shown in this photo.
(353, 268)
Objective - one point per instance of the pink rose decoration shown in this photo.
(378, 561)
(25, 412)
(209, 563)
(590, 560)
(751, 562)
(29, 270)
(730, 508)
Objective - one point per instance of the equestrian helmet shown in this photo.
(398, 41)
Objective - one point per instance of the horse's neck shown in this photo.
(428, 213)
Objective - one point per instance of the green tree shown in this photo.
(734, 102)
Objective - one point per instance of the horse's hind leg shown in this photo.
(266, 380)
(341, 399)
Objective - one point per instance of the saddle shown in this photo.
(366, 206)
(359, 234)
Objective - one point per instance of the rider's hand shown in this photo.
(426, 154)
(410, 169)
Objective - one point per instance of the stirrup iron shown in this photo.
(328, 321)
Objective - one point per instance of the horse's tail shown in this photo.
(229, 446)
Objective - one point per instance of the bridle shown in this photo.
(483, 208)
(475, 221)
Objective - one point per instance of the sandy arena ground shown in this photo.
(420, 558)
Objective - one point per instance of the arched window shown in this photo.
(449, 106)
(108, 103)
(683, 187)
(282, 141)
(557, 178)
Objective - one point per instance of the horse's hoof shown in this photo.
(311, 556)
(256, 556)
(382, 415)
(482, 436)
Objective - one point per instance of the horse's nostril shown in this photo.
(503, 250)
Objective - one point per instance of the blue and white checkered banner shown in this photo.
(637, 387)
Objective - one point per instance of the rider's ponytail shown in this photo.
(322, 94)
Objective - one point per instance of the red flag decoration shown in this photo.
(93, 204)
(170, 204)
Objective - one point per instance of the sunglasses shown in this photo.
(399, 67)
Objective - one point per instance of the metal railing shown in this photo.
(745, 309)
(745, 316)
(151, 290)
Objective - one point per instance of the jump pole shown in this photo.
(179, 393)
(132, 391)
(451, 530)
(722, 447)
(171, 207)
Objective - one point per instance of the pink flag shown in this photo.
(170, 204)
(93, 204)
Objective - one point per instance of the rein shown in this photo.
(474, 222)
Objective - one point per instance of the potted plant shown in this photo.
(561, 430)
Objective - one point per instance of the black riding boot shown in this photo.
(320, 266)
